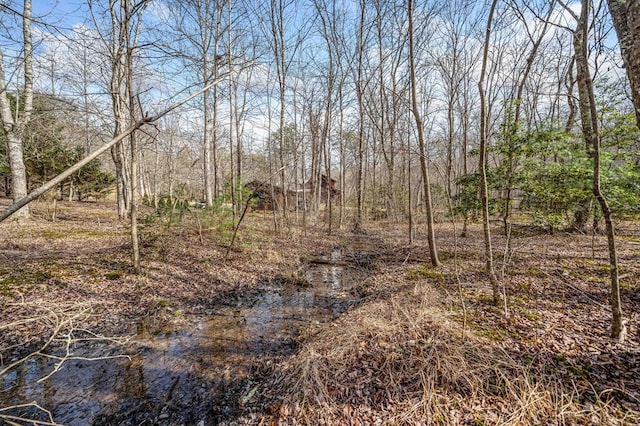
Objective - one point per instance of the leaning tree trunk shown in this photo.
(589, 117)
(16, 206)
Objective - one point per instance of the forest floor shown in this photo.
(422, 345)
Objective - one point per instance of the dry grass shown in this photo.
(401, 357)
(406, 360)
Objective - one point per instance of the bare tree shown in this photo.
(455, 61)
(200, 29)
(590, 133)
(16, 206)
(15, 125)
(360, 87)
(113, 39)
(515, 124)
(482, 164)
(283, 41)
(131, 11)
(121, 41)
(433, 251)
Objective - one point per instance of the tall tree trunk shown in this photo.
(277, 30)
(135, 251)
(14, 127)
(589, 117)
(358, 225)
(410, 190)
(626, 19)
(433, 251)
(326, 138)
(482, 165)
(206, 140)
(343, 174)
(119, 105)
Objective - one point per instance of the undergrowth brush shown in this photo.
(407, 360)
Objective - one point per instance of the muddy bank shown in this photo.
(185, 368)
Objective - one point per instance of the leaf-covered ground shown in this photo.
(423, 345)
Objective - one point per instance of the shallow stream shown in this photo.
(196, 370)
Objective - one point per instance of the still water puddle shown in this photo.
(196, 371)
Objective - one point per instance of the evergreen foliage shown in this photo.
(48, 152)
(549, 172)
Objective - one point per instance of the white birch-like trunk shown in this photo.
(14, 127)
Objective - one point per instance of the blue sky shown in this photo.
(60, 12)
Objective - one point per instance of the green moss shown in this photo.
(585, 263)
(529, 272)
(160, 304)
(531, 316)
(114, 275)
(56, 269)
(594, 279)
(518, 300)
(424, 273)
(578, 371)
(53, 234)
(485, 298)
(497, 333)
(18, 279)
(490, 333)
(21, 278)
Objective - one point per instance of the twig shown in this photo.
(8, 417)
(54, 334)
(595, 302)
(237, 227)
(406, 259)
(23, 322)
(135, 126)
(60, 325)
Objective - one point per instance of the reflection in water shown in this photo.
(187, 373)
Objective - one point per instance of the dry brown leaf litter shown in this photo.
(402, 357)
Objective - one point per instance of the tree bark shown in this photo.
(14, 127)
(433, 251)
(358, 225)
(133, 148)
(482, 165)
(12, 209)
(626, 20)
(589, 117)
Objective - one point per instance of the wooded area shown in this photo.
(463, 176)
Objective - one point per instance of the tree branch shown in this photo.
(138, 124)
